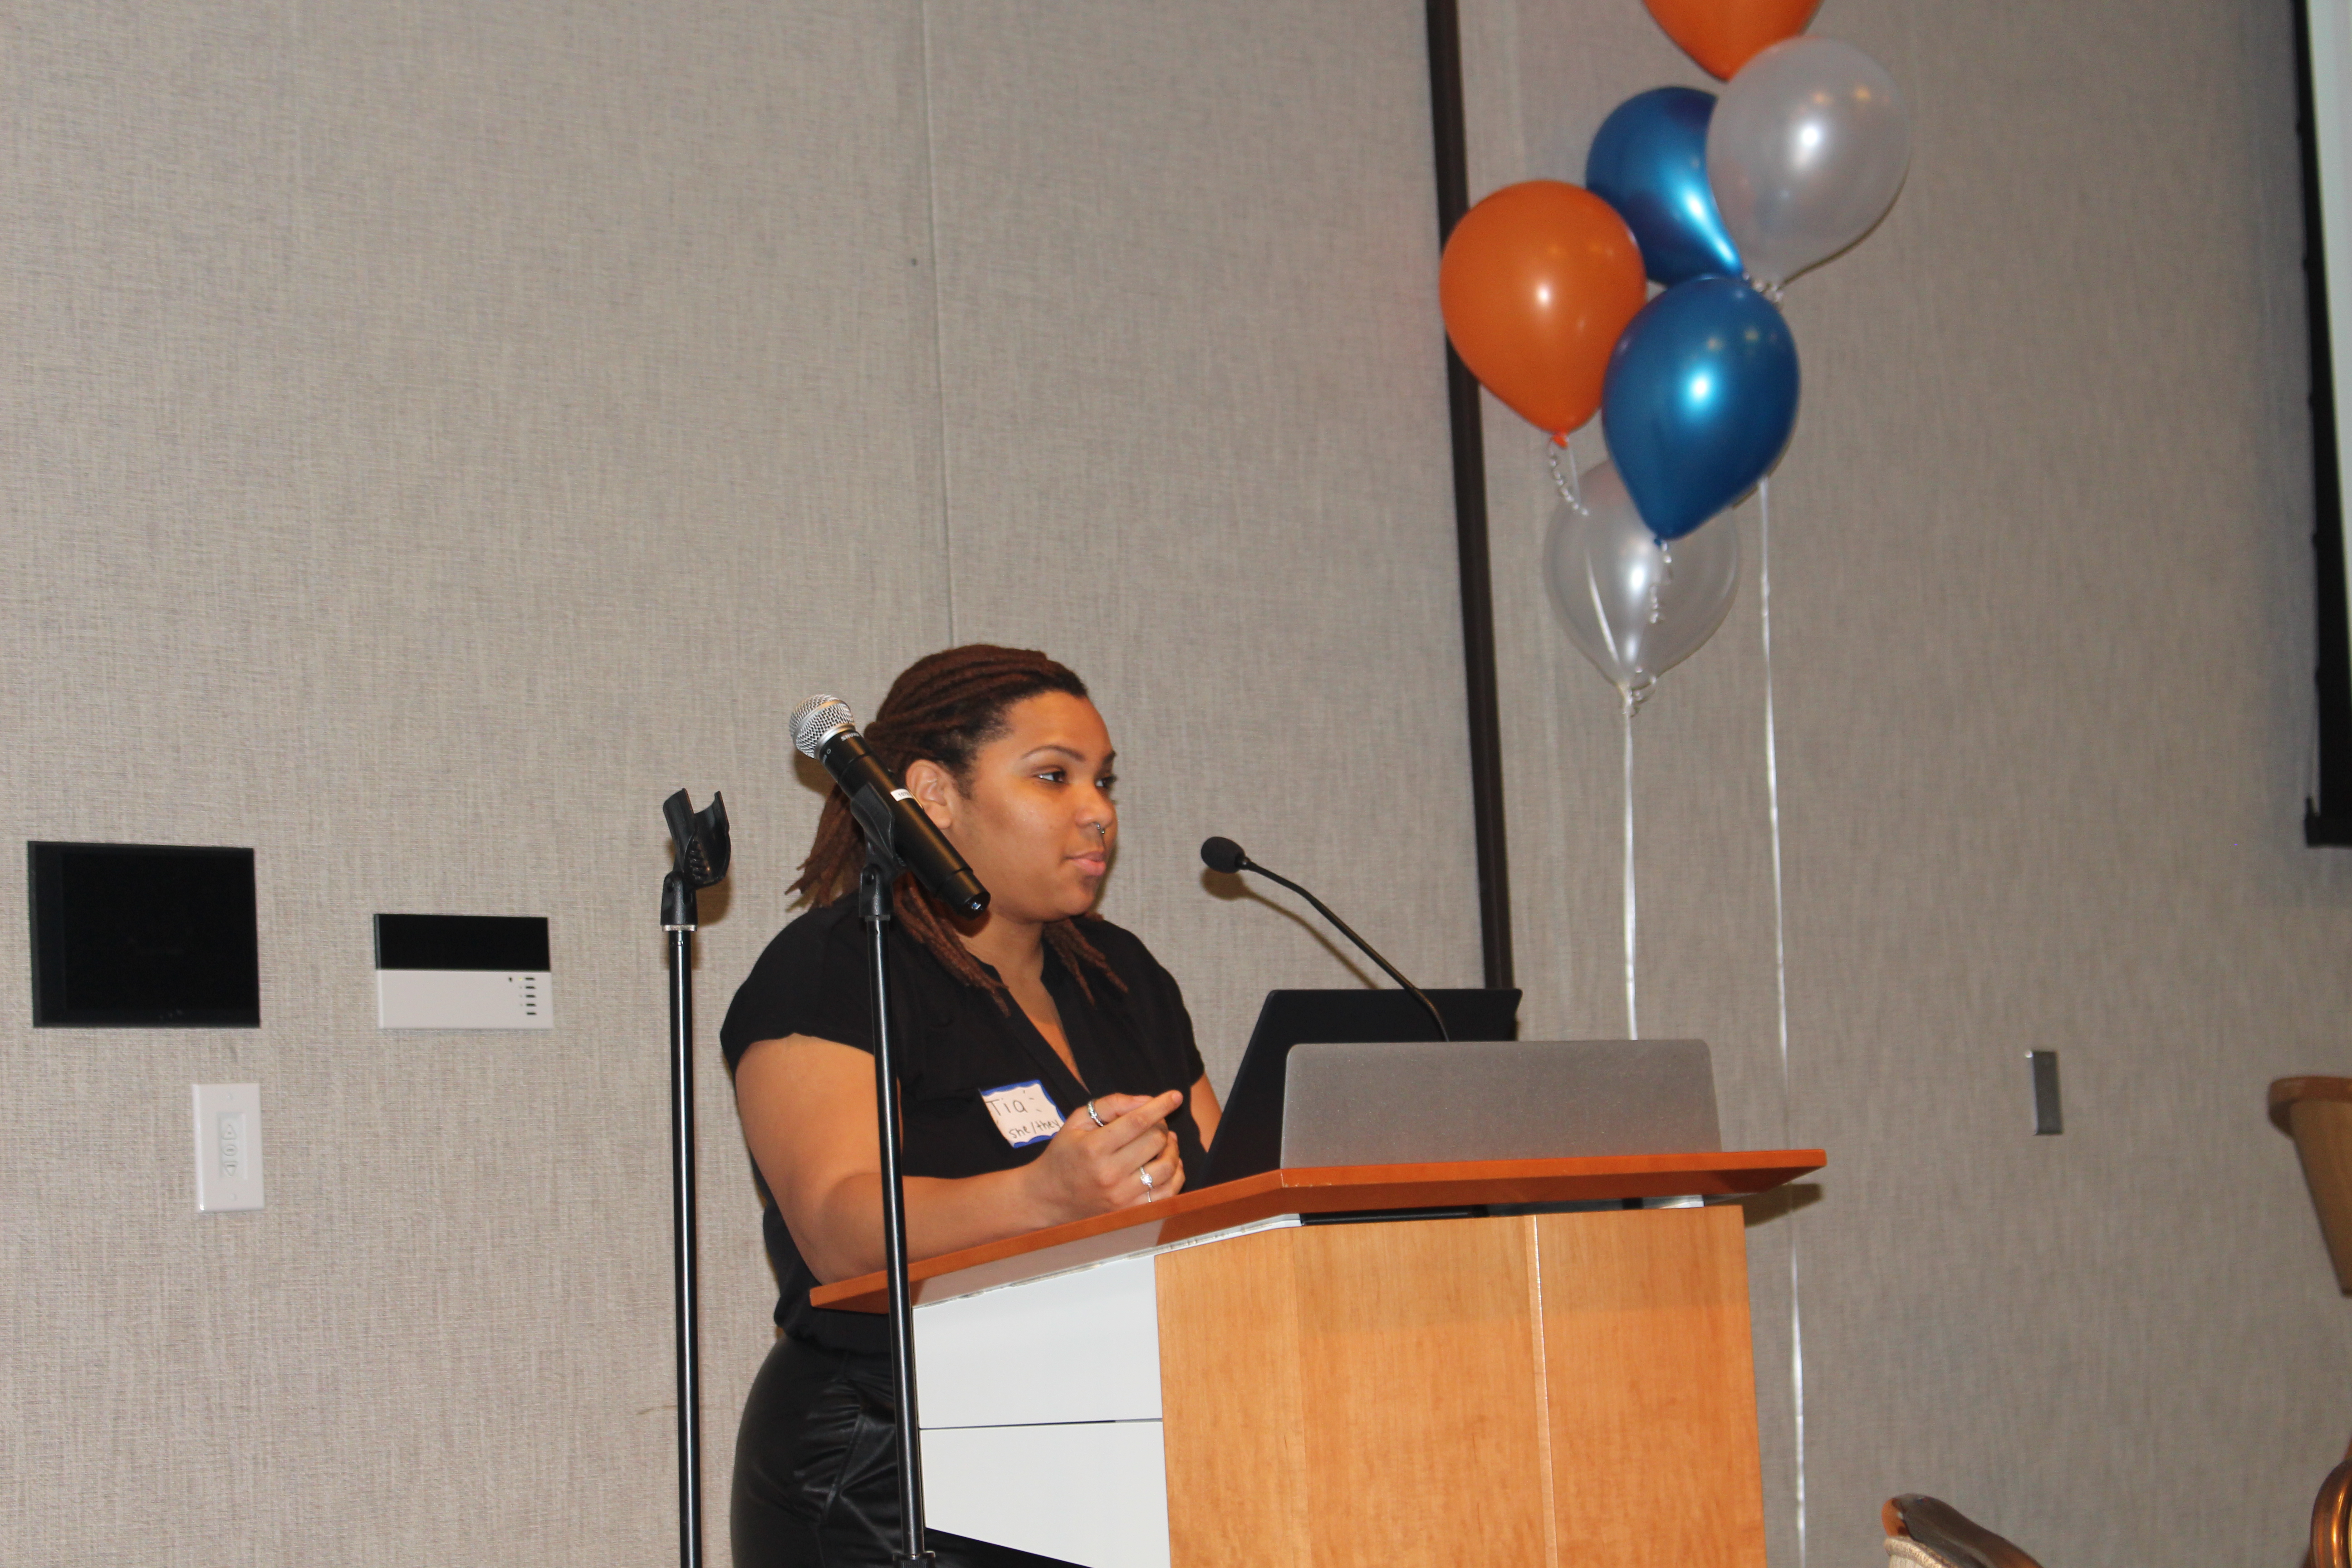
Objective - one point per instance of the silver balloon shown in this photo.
(1635, 607)
(1806, 151)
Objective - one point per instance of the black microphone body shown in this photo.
(882, 807)
(1224, 855)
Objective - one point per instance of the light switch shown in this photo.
(2049, 1114)
(228, 1146)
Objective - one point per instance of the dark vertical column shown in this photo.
(2329, 818)
(1470, 518)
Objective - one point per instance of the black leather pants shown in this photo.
(817, 1470)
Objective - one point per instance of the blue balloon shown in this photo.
(1700, 401)
(1649, 161)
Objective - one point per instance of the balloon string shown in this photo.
(1632, 1018)
(1780, 975)
(1571, 484)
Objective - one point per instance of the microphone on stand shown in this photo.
(825, 728)
(1224, 855)
(899, 837)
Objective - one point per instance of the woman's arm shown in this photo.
(807, 1106)
(1205, 1111)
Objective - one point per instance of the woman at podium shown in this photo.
(1047, 1065)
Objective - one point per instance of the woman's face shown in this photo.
(1035, 818)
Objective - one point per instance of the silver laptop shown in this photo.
(1412, 1101)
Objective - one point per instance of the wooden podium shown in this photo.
(1384, 1366)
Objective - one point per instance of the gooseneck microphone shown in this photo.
(1224, 855)
(823, 728)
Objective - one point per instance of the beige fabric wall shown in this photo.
(2042, 595)
(393, 388)
(1193, 442)
(439, 432)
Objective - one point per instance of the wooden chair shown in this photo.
(1929, 1534)
(2331, 1520)
(2316, 1113)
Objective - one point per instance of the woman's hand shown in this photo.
(1090, 1170)
(808, 1115)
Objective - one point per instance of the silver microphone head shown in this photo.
(819, 719)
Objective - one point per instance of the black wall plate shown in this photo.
(132, 936)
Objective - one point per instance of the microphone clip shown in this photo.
(877, 822)
(701, 853)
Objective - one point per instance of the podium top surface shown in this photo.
(1326, 1190)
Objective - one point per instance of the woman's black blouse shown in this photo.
(953, 1043)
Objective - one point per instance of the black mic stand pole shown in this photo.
(702, 855)
(874, 883)
(678, 920)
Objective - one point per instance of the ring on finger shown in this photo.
(1145, 1176)
(1096, 1115)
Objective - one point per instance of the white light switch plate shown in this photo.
(228, 1146)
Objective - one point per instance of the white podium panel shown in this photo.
(1109, 1480)
(1003, 1358)
(1049, 1390)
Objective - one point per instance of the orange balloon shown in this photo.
(1537, 284)
(1723, 35)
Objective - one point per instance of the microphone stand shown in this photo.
(874, 883)
(701, 842)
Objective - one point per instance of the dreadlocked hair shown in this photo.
(942, 710)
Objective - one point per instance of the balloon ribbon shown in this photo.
(1632, 1018)
(1780, 975)
(1571, 484)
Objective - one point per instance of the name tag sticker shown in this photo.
(1025, 1113)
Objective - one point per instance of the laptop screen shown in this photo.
(1249, 1134)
